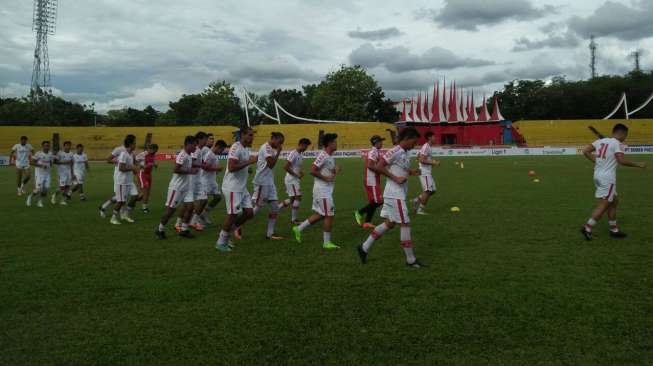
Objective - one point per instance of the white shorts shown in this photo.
(65, 179)
(605, 189)
(124, 191)
(21, 166)
(428, 184)
(324, 206)
(395, 210)
(237, 201)
(264, 194)
(197, 189)
(208, 188)
(293, 189)
(79, 177)
(42, 183)
(175, 197)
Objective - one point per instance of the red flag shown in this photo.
(419, 108)
(435, 110)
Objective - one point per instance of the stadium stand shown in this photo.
(577, 132)
(99, 141)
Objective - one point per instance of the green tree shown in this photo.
(220, 105)
(291, 100)
(186, 109)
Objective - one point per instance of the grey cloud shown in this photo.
(375, 35)
(400, 59)
(469, 14)
(566, 40)
(617, 20)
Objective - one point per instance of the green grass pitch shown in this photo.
(510, 281)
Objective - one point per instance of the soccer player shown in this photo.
(180, 190)
(372, 184)
(265, 191)
(606, 154)
(64, 162)
(324, 169)
(426, 162)
(210, 167)
(124, 188)
(294, 175)
(80, 167)
(234, 189)
(42, 161)
(146, 161)
(21, 154)
(395, 165)
(113, 159)
(201, 138)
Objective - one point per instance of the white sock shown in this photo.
(590, 224)
(184, 226)
(144, 206)
(272, 220)
(304, 225)
(327, 237)
(613, 226)
(195, 219)
(407, 244)
(295, 210)
(106, 204)
(178, 222)
(223, 238)
(376, 233)
(162, 227)
(257, 209)
(115, 213)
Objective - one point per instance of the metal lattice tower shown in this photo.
(593, 47)
(44, 24)
(636, 57)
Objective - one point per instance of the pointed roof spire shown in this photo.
(496, 113)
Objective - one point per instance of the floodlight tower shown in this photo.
(593, 47)
(44, 24)
(636, 57)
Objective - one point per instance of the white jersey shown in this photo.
(45, 159)
(79, 163)
(22, 154)
(327, 166)
(64, 157)
(399, 165)
(181, 182)
(426, 152)
(372, 178)
(295, 159)
(116, 153)
(236, 181)
(125, 178)
(264, 175)
(606, 158)
(140, 159)
(211, 160)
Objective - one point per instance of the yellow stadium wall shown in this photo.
(99, 141)
(577, 133)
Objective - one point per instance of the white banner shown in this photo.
(4, 160)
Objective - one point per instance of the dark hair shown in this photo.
(154, 146)
(23, 137)
(245, 130)
(78, 146)
(328, 138)
(620, 127)
(304, 141)
(67, 143)
(201, 135)
(129, 139)
(221, 143)
(428, 134)
(408, 133)
(189, 140)
(277, 135)
(45, 142)
(209, 134)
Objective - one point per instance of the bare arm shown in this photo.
(288, 168)
(588, 151)
(272, 160)
(179, 169)
(382, 168)
(315, 171)
(233, 165)
(622, 161)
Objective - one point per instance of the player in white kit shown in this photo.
(234, 189)
(208, 175)
(294, 175)
(42, 161)
(180, 190)
(201, 149)
(265, 191)
(426, 163)
(372, 183)
(606, 154)
(64, 161)
(21, 154)
(113, 159)
(80, 167)
(124, 188)
(395, 165)
(324, 169)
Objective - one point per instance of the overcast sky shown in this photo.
(121, 53)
